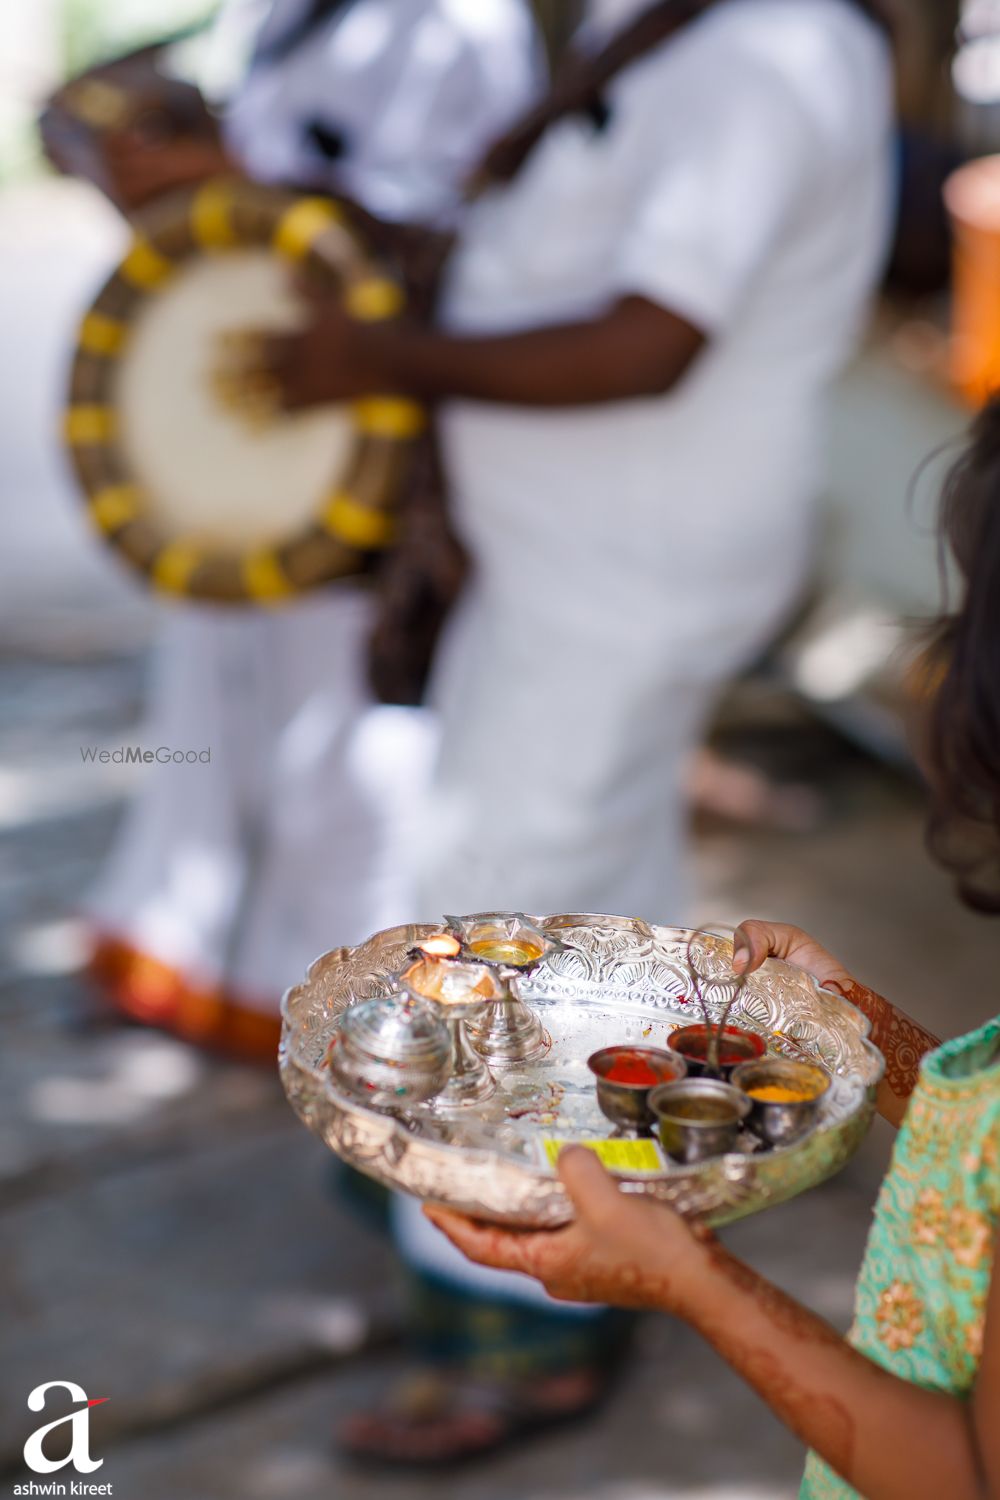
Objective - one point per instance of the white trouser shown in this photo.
(570, 697)
(287, 844)
(559, 785)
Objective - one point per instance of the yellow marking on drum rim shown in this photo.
(174, 566)
(116, 505)
(374, 298)
(264, 577)
(356, 524)
(211, 216)
(97, 103)
(300, 226)
(388, 416)
(100, 334)
(89, 426)
(144, 266)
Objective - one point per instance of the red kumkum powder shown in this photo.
(632, 1067)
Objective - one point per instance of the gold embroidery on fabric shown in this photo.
(970, 1237)
(929, 1218)
(900, 1316)
(921, 1301)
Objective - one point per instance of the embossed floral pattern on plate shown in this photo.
(617, 979)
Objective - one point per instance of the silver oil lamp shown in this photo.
(391, 1053)
(461, 993)
(511, 945)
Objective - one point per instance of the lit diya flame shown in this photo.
(441, 945)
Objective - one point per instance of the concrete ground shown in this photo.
(166, 1233)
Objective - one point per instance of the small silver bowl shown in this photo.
(503, 940)
(737, 1046)
(460, 993)
(390, 1053)
(779, 1122)
(626, 1105)
(457, 989)
(511, 946)
(698, 1117)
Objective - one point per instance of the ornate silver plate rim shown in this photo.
(619, 964)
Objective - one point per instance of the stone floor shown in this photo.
(167, 1237)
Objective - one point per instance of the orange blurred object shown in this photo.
(149, 991)
(972, 196)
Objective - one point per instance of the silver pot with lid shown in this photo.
(391, 1053)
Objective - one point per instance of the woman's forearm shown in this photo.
(902, 1042)
(637, 349)
(887, 1438)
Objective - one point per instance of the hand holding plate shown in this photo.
(618, 1250)
(754, 942)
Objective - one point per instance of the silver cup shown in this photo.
(781, 1122)
(698, 1117)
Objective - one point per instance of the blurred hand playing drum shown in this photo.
(141, 164)
(240, 381)
(327, 360)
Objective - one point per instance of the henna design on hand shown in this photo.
(580, 1276)
(783, 1311)
(581, 1263)
(902, 1042)
(819, 1420)
(787, 1314)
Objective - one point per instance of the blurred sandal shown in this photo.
(436, 1419)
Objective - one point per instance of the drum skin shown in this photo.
(334, 524)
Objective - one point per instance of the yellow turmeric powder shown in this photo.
(773, 1093)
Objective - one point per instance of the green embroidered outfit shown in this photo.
(921, 1297)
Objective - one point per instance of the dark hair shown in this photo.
(963, 742)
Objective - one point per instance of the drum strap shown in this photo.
(580, 85)
(274, 49)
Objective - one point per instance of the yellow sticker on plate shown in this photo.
(620, 1156)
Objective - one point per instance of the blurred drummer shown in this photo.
(638, 333)
(225, 884)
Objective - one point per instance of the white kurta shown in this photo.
(239, 873)
(415, 88)
(631, 556)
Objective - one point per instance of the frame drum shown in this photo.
(202, 498)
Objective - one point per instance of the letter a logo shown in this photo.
(79, 1453)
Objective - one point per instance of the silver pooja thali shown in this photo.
(492, 1077)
